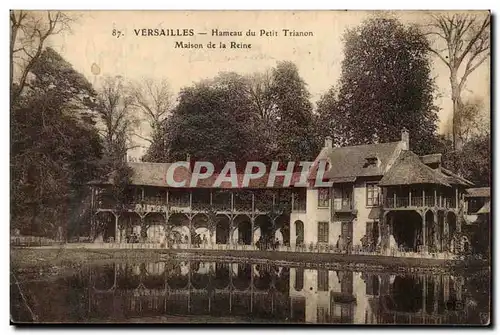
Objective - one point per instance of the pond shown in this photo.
(228, 292)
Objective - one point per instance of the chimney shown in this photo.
(188, 159)
(328, 142)
(405, 138)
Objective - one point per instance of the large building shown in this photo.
(383, 199)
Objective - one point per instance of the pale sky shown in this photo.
(318, 57)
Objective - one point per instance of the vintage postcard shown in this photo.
(276, 167)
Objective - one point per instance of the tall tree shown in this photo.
(473, 161)
(55, 149)
(471, 120)
(154, 100)
(117, 122)
(329, 120)
(462, 42)
(386, 85)
(29, 31)
(214, 120)
(294, 113)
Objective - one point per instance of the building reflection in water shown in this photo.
(274, 293)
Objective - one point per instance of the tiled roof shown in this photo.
(455, 179)
(478, 192)
(409, 169)
(358, 161)
(155, 174)
(431, 159)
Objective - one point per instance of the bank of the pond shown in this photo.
(39, 257)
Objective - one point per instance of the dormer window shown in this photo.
(371, 161)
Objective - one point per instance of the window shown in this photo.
(322, 314)
(322, 280)
(299, 279)
(372, 194)
(322, 232)
(372, 285)
(474, 204)
(323, 197)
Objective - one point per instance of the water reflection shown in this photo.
(121, 291)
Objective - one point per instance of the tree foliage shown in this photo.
(29, 31)
(55, 149)
(294, 112)
(462, 43)
(385, 85)
(213, 121)
(473, 161)
(263, 116)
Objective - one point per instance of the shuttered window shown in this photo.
(372, 194)
(323, 197)
(323, 280)
(323, 232)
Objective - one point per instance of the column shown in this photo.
(409, 197)
(456, 198)
(446, 231)
(92, 191)
(384, 237)
(424, 293)
(117, 229)
(435, 197)
(424, 233)
(435, 226)
(252, 219)
(190, 229)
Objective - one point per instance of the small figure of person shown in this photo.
(340, 243)
(348, 245)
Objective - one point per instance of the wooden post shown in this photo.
(424, 294)
(293, 200)
(423, 198)
(117, 229)
(456, 198)
(394, 200)
(435, 197)
(190, 200)
(167, 196)
(211, 198)
(92, 190)
(232, 201)
(142, 193)
(409, 197)
(424, 232)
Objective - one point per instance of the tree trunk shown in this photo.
(455, 97)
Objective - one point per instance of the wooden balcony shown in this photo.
(401, 202)
(344, 205)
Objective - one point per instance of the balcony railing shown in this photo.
(299, 206)
(419, 201)
(343, 205)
